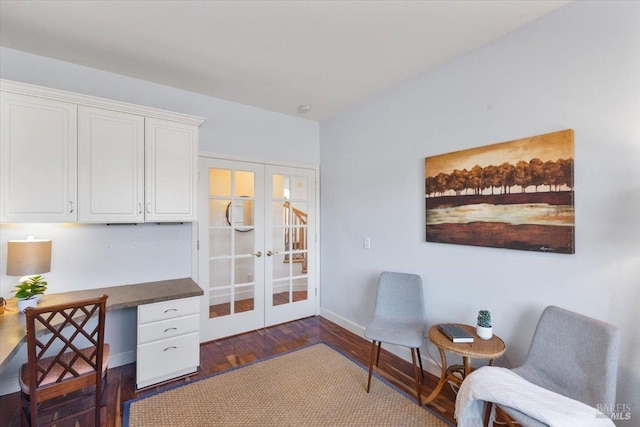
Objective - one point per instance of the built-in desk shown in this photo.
(12, 323)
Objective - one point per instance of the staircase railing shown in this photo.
(295, 220)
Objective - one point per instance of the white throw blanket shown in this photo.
(507, 389)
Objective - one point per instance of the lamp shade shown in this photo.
(26, 257)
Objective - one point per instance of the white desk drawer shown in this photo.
(159, 360)
(168, 309)
(164, 329)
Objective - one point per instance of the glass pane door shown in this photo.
(289, 288)
(231, 238)
(257, 245)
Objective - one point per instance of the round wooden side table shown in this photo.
(478, 349)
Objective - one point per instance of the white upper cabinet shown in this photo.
(38, 160)
(110, 166)
(171, 151)
(68, 157)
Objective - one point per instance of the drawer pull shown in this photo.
(171, 329)
(170, 309)
(169, 348)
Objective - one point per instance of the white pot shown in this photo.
(484, 333)
(24, 303)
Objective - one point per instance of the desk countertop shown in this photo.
(12, 323)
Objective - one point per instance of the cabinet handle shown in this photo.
(169, 348)
(139, 208)
(148, 207)
(170, 309)
(71, 206)
(171, 329)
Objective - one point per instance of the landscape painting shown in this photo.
(516, 195)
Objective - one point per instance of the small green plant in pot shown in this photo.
(29, 290)
(484, 328)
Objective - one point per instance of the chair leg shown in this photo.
(378, 353)
(420, 361)
(98, 403)
(415, 375)
(101, 394)
(487, 413)
(504, 417)
(373, 352)
(33, 411)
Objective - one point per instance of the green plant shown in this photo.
(30, 288)
(484, 318)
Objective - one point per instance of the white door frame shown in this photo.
(195, 228)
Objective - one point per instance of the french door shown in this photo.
(257, 245)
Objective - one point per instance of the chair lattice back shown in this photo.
(59, 334)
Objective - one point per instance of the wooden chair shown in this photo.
(66, 353)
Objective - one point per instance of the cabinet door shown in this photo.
(38, 159)
(171, 151)
(110, 166)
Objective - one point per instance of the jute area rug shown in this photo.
(312, 386)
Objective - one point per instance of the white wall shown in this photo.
(91, 256)
(578, 68)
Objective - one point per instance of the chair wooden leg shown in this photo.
(420, 361)
(487, 413)
(378, 352)
(33, 411)
(101, 398)
(504, 417)
(415, 375)
(373, 352)
(98, 403)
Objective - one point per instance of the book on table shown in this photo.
(455, 333)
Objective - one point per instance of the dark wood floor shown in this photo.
(223, 354)
(243, 305)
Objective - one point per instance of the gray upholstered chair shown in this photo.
(398, 319)
(572, 355)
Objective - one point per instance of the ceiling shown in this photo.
(275, 55)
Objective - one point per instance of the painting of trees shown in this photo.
(557, 175)
(516, 194)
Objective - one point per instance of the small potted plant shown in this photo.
(484, 328)
(29, 291)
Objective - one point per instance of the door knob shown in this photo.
(269, 253)
(256, 254)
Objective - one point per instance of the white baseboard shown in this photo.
(428, 364)
(123, 358)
